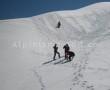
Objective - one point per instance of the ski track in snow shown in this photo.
(39, 79)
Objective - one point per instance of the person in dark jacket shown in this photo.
(56, 51)
(70, 55)
(66, 48)
(59, 24)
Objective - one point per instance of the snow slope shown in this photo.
(26, 43)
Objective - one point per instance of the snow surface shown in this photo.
(26, 43)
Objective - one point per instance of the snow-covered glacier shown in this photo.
(27, 43)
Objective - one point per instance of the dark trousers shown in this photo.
(55, 55)
(66, 54)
